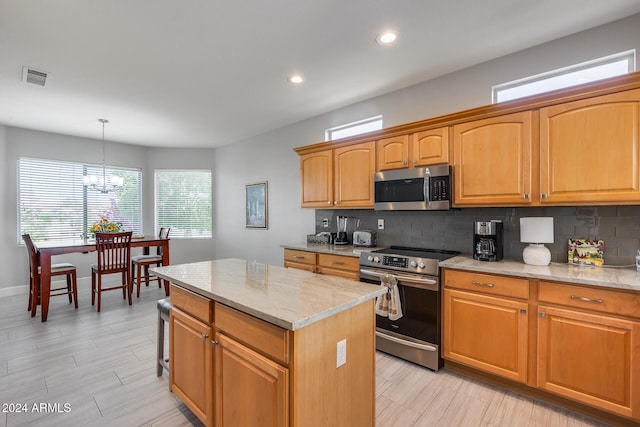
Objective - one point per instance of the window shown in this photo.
(602, 68)
(54, 205)
(353, 128)
(183, 202)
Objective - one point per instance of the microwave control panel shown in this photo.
(439, 188)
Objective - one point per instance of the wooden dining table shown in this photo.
(48, 249)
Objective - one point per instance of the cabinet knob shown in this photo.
(415, 161)
(526, 196)
(204, 337)
(335, 203)
(404, 163)
(328, 203)
(214, 343)
(543, 196)
(523, 311)
(542, 314)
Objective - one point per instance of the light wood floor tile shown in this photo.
(103, 366)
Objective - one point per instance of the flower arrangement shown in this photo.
(105, 225)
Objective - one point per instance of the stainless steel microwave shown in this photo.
(417, 189)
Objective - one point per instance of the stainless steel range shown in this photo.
(416, 335)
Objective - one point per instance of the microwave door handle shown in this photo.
(427, 186)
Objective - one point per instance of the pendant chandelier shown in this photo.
(103, 184)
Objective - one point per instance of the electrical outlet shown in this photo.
(341, 353)
(381, 224)
(325, 222)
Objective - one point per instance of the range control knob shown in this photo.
(370, 258)
(421, 265)
(376, 259)
(414, 264)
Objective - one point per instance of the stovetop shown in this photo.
(406, 259)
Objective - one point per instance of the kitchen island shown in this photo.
(255, 344)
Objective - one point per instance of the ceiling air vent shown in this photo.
(36, 77)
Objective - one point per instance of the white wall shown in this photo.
(269, 157)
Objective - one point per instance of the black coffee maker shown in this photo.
(487, 240)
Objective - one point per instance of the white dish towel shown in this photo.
(388, 304)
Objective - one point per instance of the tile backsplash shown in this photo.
(618, 226)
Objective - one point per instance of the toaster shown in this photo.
(364, 238)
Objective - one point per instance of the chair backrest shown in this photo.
(32, 250)
(163, 234)
(114, 251)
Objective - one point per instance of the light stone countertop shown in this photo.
(347, 250)
(610, 277)
(286, 297)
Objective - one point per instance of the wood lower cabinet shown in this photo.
(251, 389)
(594, 137)
(191, 363)
(492, 160)
(591, 358)
(329, 264)
(488, 332)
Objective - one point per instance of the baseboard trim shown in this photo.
(14, 290)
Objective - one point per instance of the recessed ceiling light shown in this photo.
(295, 79)
(387, 37)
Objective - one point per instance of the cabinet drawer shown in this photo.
(340, 262)
(192, 303)
(487, 283)
(300, 257)
(601, 300)
(262, 336)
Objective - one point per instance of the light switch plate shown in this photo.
(381, 224)
(341, 353)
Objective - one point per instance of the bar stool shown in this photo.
(164, 308)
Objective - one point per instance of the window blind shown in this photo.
(54, 205)
(183, 202)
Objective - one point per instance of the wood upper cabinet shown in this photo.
(422, 148)
(492, 160)
(316, 172)
(354, 166)
(486, 332)
(191, 363)
(590, 358)
(590, 150)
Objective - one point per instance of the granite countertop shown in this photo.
(610, 277)
(286, 297)
(347, 250)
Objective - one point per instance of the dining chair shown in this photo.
(114, 256)
(140, 262)
(60, 269)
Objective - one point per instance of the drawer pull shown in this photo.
(585, 299)
(298, 257)
(337, 262)
(486, 285)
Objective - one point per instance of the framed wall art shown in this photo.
(256, 205)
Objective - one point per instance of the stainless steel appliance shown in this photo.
(487, 240)
(416, 335)
(427, 188)
(364, 238)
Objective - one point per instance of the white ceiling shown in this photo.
(198, 73)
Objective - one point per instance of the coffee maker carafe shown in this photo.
(341, 238)
(487, 240)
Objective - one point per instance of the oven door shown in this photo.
(416, 335)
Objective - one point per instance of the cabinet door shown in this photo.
(486, 333)
(492, 160)
(354, 166)
(316, 172)
(393, 153)
(590, 150)
(430, 147)
(590, 358)
(191, 364)
(251, 390)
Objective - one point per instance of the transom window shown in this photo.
(183, 202)
(54, 204)
(353, 128)
(598, 69)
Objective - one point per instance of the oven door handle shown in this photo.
(405, 342)
(400, 278)
(406, 280)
